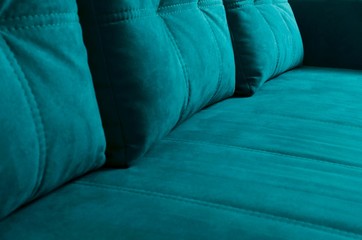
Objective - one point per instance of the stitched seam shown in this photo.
(175, 5)
(220, 206)
(263, 151)
(133, 14)
(286, 14)
(164, 13)
(119, 13)
(300, 118)
(183, 66)
(206, 2)
(203, 3)
(105, 66)
(187, 9)
(37, 117)
(39, 26)
(290, 31)
(291, 34)
(65, 13)
(220, 60)
(276, 43)
(295, 188)
(242, 4)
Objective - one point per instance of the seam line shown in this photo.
(37, 117)
(285, 15)
(242, 4)
(263, 151)
(301, 118)
(133, 14)
(117, 12)
(39, 26)
(212, 205)
(280, 12)
(276, 43)
(14, 18)
(183, 67)
(220, 60)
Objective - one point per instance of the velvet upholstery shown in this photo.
(283, 164)
(154, 64)
(331, 31)
(266, 41)
(50, 128)
(274, 166)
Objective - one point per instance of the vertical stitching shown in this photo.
(221, 63)
(294, 45)
(183, 66)
(275, 41)
(104, 60)
(37, 117)
(290, 31)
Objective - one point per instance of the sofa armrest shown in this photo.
(331, 32)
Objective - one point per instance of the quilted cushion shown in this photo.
(49, 121)
(266, 41)
(155, 63)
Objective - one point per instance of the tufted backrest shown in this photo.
(50, 128)
(154, 64)
(266, 41)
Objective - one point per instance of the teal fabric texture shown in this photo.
(50, 125)
(331, 31)
(266, 41)
(154, 64)
(197, 163)
(283, 164)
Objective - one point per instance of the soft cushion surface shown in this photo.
(155, 63)
(284, 164)
(266, 41)
(331, 31)
(50, 128)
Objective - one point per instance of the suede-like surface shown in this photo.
(154, 63)
(284, 164)
(50, 128)
(331, 32)
(266, 41)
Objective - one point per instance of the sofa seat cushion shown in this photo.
(284, 164)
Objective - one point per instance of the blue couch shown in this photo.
(181, 119)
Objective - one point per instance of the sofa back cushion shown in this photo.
(50, 128)
(266, 41)
(154, 64)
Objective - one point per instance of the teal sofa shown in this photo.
(181, 119)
